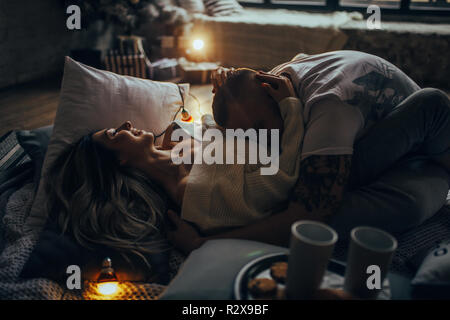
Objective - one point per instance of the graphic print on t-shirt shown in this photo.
(380, 91)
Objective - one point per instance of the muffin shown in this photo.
(278, 271)
(262, 288)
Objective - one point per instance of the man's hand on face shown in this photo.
(278, 87)
(219, 76)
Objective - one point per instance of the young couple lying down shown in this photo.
(359, 144)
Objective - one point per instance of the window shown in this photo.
(393, 4)
(430, 7)
(299, 2)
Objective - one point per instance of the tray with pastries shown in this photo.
(265, 278)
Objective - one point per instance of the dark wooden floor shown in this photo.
(34, 105)
(28, 106)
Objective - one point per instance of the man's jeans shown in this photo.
(394, 185)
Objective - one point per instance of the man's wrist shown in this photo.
(288, 105)
(286, 99)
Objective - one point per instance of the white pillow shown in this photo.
(92, 99)
(192, 6)
(220, 8)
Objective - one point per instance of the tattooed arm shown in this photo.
(316, 196)
(321, 184)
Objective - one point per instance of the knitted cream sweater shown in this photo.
(231, 195)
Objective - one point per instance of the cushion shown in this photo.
(432, 280)
(35, 143)
(192, 6)
(218, 8)
(93, 99)
(198, 278)
(11, 153)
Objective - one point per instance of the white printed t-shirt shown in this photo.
(343, 93)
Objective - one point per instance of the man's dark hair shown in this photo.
(231, 91)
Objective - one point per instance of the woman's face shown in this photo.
(130, 144)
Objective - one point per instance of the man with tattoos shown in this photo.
(376, 147)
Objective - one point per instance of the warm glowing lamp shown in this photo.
(107, 282)
(198, 44)
(186, 116)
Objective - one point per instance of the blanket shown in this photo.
(16, 245)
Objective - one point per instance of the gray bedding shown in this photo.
(17, 190)
(18, 247)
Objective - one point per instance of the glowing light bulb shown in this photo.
(107, 288)
(186, 116)
(198, 44)
(107, 282)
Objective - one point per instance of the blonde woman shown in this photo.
(112, 187)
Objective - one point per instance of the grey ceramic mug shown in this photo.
(312, 244)
(369, 257)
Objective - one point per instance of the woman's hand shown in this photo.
(184, 237)
(219, 76)
(167, 143)
(278, 87)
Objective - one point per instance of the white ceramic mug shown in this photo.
(311, 247)
(369, 256)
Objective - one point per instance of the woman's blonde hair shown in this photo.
(100, 202)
